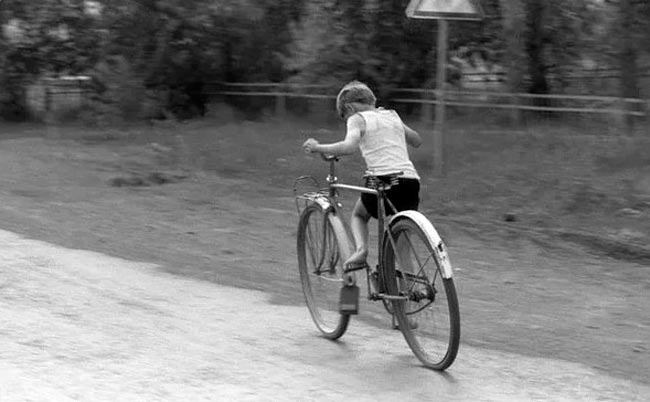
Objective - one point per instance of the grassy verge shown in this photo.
(538, 178)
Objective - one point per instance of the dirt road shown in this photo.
(543, 319)
(83, 326)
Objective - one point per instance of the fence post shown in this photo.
(48, 99)
(441, 80)
(515, 112)
(280, 105)
(426, 116)
(621, 115)
(647, 113)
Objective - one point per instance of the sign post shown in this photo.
(441, 78)
(442, 10)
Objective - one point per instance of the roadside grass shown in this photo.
(539, 177)
(550, 177)
(543, 176)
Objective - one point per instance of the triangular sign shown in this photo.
(445, 9)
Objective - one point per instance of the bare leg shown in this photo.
(359, 226)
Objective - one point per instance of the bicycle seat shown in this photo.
(383, 182)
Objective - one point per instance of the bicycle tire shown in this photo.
(323, 247)
(429, 318)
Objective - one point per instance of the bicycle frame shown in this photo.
(382, 224)
(327, 201)
(334, 185)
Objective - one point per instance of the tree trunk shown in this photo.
(628, 59)
(513, 12)
(513, 31)
(535, 48)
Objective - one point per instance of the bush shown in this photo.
(12, 103)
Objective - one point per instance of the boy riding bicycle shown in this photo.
(382, 138)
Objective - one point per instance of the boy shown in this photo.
(382, 138)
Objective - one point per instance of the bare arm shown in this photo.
(412, 137)
(355, 127)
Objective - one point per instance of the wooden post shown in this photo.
(441, 78)
(48, 99)
(280, 105)
(621, 115)
(515, 112)
(647, 114)
(426, 116)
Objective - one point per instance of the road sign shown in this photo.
(445, 9)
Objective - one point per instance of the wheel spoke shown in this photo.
(321, 271)
(429, 318)
(417, 258)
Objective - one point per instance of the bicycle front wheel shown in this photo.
(428, 316)
(323, 247)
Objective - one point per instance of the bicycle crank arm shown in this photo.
(383, 296)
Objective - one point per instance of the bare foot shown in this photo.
(357, 257)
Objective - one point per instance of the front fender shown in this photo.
(317, 198)
(432, 235)
(341, 230)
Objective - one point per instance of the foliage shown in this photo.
(177, 46)
(547, 37)
(50, 36)
(373, 41)
(173, 48)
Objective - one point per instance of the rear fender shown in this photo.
(432, 234)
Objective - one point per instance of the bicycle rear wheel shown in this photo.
(322, 249)
(429, 318)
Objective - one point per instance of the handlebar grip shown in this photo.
(329, 158)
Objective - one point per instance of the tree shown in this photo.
(633, 22)
(45, 37)
(51, 35)
(514, 57)
(177, 45)
(336, 41)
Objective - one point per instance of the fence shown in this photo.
(315, 100)
(517, 103)
(279, 92)
(513, 107)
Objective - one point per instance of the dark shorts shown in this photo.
(404, 196)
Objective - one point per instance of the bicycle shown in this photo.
(413, 277)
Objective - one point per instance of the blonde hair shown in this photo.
(354, 91)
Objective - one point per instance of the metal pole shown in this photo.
(441, 78)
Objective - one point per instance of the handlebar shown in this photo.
(329, 158)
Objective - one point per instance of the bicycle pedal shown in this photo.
(356, 266)
(349, 300)
(377, 283)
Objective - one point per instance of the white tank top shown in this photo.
(383, 144)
